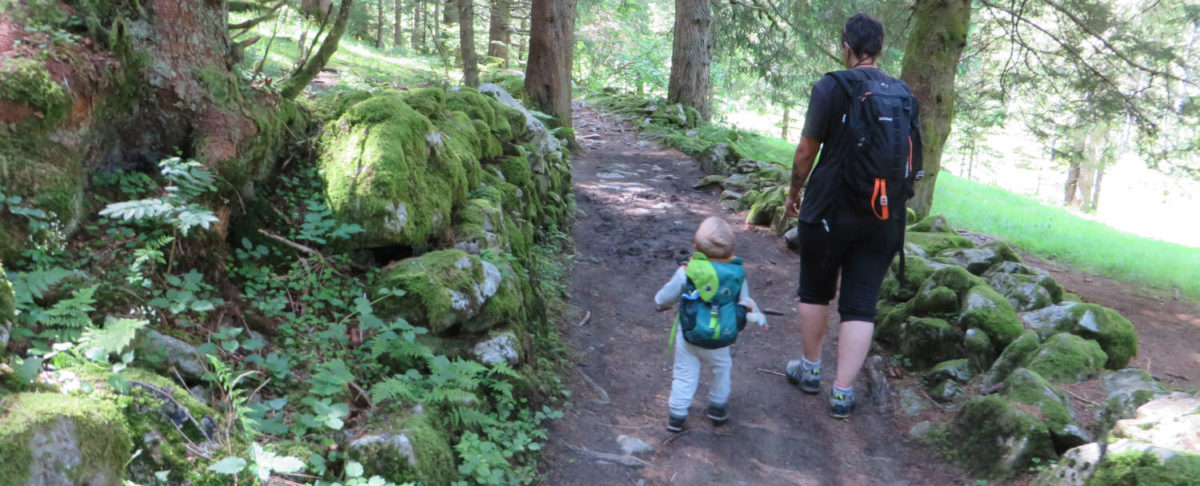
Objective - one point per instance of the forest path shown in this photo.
(640, 212)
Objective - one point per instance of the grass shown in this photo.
(1065, 237)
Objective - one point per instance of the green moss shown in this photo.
(1013, 357)
(378, 174)
(934, 243)
(1028, 387)
(507, 306)
(1145, 469)
(927, 341)
(457, 156)
(432, 460)
(977, 345)
(937, 302)
(34, 421)
(516, 170)
(888, 330)
(1067, 358)
(934, 223)
(476, 105)
(27, 81)
(993, 439)
(430, 102)
(490, 147)
(916, 271)
(956, 369)
(444, 288)
(956, 278)
(765, 207)
(1116, 335)
(990, 312)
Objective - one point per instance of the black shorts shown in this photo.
(861, 248)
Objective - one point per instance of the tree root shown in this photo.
(603, 400)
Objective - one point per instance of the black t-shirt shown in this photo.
(827, 109)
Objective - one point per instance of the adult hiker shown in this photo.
(864, 124)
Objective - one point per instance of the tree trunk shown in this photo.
(521, 52)
(691, 56)
(379, 24)
(1095, 203)
(295, 84)
(551, 49)
(418, 31)
(786, 116)
(1071, 187)
(930, 63)
(498, 35)
(398, 27)
(466, 40)
(449, 12)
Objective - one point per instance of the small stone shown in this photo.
(167, 352)
(1129, 389)
(633, 446)
(920, 430)
(912, 403)
(497, 349)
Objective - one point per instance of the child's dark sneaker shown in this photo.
(675, 424)
(717, 414)
(807, 379)
(841, 403)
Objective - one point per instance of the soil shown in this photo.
(638, 211)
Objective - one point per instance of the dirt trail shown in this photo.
(640, 213)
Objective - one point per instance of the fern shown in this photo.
(71, 316)
(394, 389)
(31, 285)
(188, 180)
(117, 334)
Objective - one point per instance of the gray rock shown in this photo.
(792, 236)
(1074, 468)
(502, 348)
(1129, 389)
(1043, 321)
(1013, 357)
(633, 446)
(397, 445)
(955, 369)
(920, 430)
(912, 403)
(166, 352)
(1170, 423)
(947, 391)
(979, 259)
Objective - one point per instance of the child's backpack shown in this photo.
(877, 172)
(709, 314)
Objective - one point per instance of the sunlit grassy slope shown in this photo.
(1065, 237)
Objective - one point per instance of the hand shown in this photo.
(791, 205)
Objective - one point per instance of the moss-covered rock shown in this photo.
(378, 172)
(8, 310)
(936, 302)
(1025, 288)
(956, 369)
(888, 330)
(927, 341)
(947, 391)
(934, 223)
(978, 260)
(916, 270)
(413, 450)
(1028, 387)
(1116, 335)
(935, 243)
(766, 207)
(978, 348)
(443, 288)
(1128, 389)
(955, 278)
(1145, 468)
(1014, 356)
(988, 311)
(1067, 358)
(49, 438)
(430, 102)
(507, 305)
(995, 439)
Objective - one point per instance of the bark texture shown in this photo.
(466, 40)
(551, 50)
(691, 56)
(398, 27)
(498, 30)
(418, 30)
(930, 63)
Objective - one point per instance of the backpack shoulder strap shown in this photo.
(843, 79)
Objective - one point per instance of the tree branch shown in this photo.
(257, 20)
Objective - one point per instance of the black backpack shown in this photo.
(877, 144)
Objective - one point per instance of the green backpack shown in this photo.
(709, 314)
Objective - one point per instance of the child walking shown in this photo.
(715, 304)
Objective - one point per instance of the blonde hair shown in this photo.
(715, 238)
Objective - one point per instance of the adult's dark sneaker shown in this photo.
(841, 404)
(808, 380)
(675, 424)
(717, 414)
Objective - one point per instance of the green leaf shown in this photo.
(331, 378)
(228, 466)
(117, 334)
(354, 470)
(28, 369)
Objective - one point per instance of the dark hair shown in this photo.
(864, 35)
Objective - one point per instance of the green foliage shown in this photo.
(187, 181)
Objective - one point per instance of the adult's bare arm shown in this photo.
(802, 164)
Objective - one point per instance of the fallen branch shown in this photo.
(1173, 375)
(609, 457)
(1077, 397)
(772, 312)
(672, 438)
(599, 390)
(771, 372)
(585, 319)
(320, 256)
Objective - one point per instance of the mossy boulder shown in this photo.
(8, 309)
(979, 259)
(978, 348)
(1028, 387)
(916, 271)
(956, 369)
(947, 391)
(1128, 389)
(379, 174)
(955, 278)
(442, 288)
(430, 102)
(936, 302)
(888, 330)
(935, 243)
(1025, 288)
(934, 223)
(412, 450)
(927, 341)
(1145, 468)
(160, 414)
(1067, 358)
(990, 312)
(507, 305)
(50, 438)
(1013, 357)
(996, 439)
(1116, 335)
(766, 207)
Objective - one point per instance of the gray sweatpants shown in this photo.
(688, 359)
